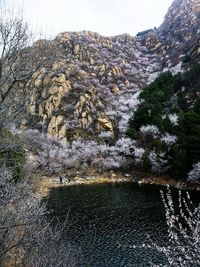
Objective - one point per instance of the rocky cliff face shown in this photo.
(91, 87)
(91, 77)
(178, 37)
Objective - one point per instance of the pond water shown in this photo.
(108, 220)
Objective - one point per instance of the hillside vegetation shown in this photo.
(167, 123)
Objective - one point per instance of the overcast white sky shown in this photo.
(107, 17)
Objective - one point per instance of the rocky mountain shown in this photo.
(178, 36)
(91, 88)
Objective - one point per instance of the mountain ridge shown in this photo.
(93, 83)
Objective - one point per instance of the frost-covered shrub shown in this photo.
(194, 174)
(125, 146)
(169, 139)
(84, 151)
(105, 134)
(46, 153)
(174, 119)
(134, 101)
(101, 155)
(53, 156)
(138, 154)
(150, 130)
(158, 162)
(109, 163)
(122, 107)
(123, 123)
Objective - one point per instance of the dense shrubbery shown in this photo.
(167, 123)
(52, 156)
(12, 153)
(27, 238)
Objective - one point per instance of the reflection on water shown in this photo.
(108, 219)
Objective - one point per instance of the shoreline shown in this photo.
(47, 183)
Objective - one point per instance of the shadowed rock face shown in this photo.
(93, 81)
(179, 34)
(182, 20)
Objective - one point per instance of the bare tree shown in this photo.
(183, 222)
(27, 238)
(14, 37)
(182, 248)
(20, 58)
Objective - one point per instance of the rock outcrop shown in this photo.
(92, 83)
(178, 37)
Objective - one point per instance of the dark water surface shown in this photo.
(107, 220)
